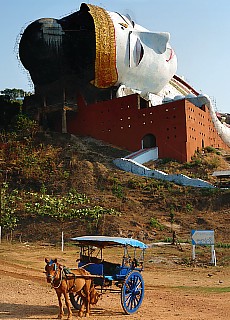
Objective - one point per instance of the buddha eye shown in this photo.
(138, 52)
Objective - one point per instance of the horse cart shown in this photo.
(124, 278)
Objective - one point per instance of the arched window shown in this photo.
(149, 141)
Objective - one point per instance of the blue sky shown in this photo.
(199, 35)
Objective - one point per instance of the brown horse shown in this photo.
(64, 283)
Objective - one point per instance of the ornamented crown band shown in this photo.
(105, 63)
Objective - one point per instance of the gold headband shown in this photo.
(105, 63)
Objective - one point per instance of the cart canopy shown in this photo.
(104, 241)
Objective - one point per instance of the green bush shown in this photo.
(213, 163)
(154, 223)
(210, 149)
(133, 184)
(223, 245)
(71, 206)
(189, 207)
(117, 188)
(25, 127)
(9, 207)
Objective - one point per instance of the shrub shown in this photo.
(154, 223)
(213, 163)
(8, 207)
(210, 149)
(189, 207)
(25, 127)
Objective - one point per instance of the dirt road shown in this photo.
(172, 291)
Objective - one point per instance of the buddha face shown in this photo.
(98, 47)
(144, 59)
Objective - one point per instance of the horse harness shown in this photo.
(64, 272)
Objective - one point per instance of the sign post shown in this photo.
(203, 238)
(62, 241)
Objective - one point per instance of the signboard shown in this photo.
(203, 237)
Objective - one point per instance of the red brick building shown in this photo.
(177, 128)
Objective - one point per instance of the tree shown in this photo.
(8, 207)
(14, 94)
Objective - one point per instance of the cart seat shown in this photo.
(103, 268)
(110, 268)
(88, 259)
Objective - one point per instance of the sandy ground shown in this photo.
(171, 291)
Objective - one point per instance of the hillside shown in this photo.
(146, 209)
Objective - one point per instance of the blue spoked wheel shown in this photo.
(76, 300)
(132, 292)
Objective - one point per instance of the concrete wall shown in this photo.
(144, 155)
(130, 165)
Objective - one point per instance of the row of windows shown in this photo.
(144, 123)
(167, 129)
(144, 114)
(171, 128)
(190, 117)
(125, 107)
(193, 110)
(129, 126)
(201, 133)
(211, 129)
(168, 137)
(174, 117)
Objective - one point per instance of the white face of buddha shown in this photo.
(144, 60)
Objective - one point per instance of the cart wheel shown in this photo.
(76, 300)
(132, 292)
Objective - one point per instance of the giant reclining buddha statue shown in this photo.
(94, 51)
